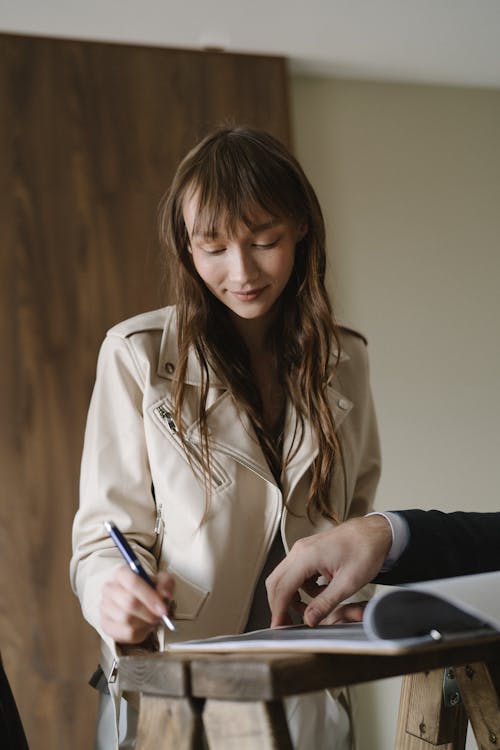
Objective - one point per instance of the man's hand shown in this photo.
(348, 556)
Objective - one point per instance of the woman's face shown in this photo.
(248, 270)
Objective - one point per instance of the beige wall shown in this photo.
(409, 180)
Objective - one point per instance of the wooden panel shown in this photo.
(242, 689)
(155, 674)
(480, 690)
(267, 676)
(252, 676)
(91, 134)
(424, 722)
(182, 716)
(246, 725)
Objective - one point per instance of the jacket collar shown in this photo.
(169, 354)
(232, 432)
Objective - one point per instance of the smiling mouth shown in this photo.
(248, 295)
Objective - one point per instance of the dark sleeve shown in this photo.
(446, 544)
(12, 735)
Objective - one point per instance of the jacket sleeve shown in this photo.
(115, 479)
(446, 544)
(361, 444)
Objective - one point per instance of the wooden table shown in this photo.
(234, 701)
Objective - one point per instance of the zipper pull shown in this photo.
(158, 521)
(167, 417)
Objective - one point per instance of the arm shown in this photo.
(441, 545)
(115, 484)
(446, 544)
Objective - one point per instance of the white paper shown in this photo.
(396, 620)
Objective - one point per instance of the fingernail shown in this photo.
(160, 609)
(312, 616)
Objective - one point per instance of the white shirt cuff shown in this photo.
(400, 537)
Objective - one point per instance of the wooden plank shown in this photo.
(423, 721)
(248, 677)
(271, 676)
(479, 685)
(155, 674)
(246, 725)
(169, 724)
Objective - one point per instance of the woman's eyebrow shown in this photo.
(201, 234)
(265, 225)
(206, 235)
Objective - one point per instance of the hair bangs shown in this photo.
(234, 184)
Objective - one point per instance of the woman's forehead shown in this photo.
(210, 220)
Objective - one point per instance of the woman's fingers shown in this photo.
(130, 608)
(165, 586)
(125, 627)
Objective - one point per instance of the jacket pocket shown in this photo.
(189, 598)
(162, 414)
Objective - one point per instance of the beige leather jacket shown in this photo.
(135, 473)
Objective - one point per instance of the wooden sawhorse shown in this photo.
(234, 701)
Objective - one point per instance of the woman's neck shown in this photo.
(254, 333)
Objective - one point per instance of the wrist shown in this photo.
(397, 540)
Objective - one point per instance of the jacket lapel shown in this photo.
(303, 458)
(231, 431)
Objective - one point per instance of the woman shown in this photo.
(225, 428)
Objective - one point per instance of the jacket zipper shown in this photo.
(194, 452)
(158, 520)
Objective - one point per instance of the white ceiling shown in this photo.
(435, 41)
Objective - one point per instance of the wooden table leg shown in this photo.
(479, 685)
(246, 725)
(169, 724)
(424, 721)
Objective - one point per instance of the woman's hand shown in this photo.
(130, 609)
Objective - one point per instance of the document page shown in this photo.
(397, 619)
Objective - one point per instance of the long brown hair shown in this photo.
(233, 172)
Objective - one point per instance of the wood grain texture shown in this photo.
(241, 691)
(479, 685)
(427, 718)
(246, 725)
(269, 676)
(91, 134)
(181, 715)
(155, 674)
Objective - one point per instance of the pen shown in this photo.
(132, 561)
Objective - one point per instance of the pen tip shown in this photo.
(108, 526)
(168, 622)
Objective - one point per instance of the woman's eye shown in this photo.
(266, 245)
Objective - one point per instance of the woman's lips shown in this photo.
(249, 295)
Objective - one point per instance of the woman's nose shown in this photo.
(243, 268)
